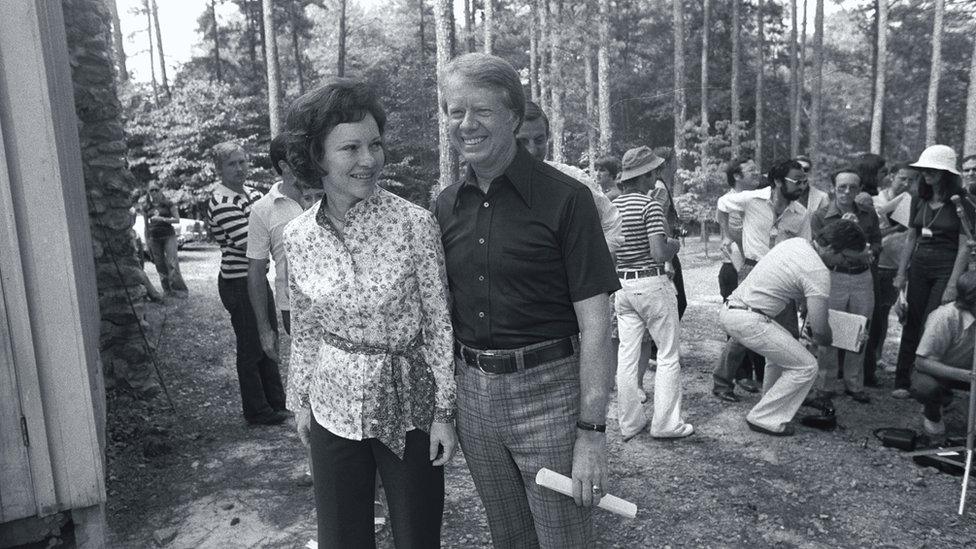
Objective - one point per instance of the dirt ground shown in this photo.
(200, 477)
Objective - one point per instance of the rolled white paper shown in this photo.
(556, 482)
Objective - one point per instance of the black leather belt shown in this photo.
(506, 361)
(849, 270)
(653, 271)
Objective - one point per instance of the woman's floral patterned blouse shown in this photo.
(371, 332)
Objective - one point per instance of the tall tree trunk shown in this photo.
(216, 39)
(469, 24)
(489, 24)
(874, 52)
(706, 21)
(341, 65)
(152, 51)
(452, 38)
(423, 39)
(159, 48)
(603, 78)
(816, 108)
(680, 103)
(801, 82)
(794, 85)
(590, 103)
(252, 42)
(556, 87)
(760, 82)
(533, 53)
(969, 144)
(297, 52)
(117, 42)
(260, 20)
(544, 89)
(736, 54)
(877, 112)
(931, 109)
(442, 32)
(271, 64)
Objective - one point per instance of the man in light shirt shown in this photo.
(534, 136)
(269, 215)
(813, 198)
(770, 215)
(792, 271)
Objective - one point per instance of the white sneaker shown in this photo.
(900, 394)
(685, 430)
(934, 428)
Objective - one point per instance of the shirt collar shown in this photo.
(225, 190)
(967, 318)
(834, 211)
(275, 191)
(518, 173)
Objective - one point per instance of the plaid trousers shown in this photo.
(512, 425)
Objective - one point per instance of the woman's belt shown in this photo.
(387, 403)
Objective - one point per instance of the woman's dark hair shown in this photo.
(734, 168)
(868, 166)
(841, 235)
(951, 186)
(313, 115)
(609, 163)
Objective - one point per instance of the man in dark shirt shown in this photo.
(529, 272)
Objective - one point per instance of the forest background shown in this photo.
(735, 77)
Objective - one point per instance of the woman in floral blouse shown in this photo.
(371, 375)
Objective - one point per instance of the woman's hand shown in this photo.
(899, 281)
(443, 441)
(303, 420)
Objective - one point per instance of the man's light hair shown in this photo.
(487, 71)
(222, 151)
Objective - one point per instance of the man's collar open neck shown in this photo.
(239, 188)
(484, 175)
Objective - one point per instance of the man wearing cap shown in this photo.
(646, 301)
(770, 215)
(529, 273)
(944, 358)
(534, 136)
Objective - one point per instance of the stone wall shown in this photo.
(109, 186)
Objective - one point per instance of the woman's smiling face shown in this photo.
(353, 156)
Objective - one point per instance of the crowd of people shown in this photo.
(500, 319)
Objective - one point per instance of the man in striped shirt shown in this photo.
(646, 301)
(262, 394)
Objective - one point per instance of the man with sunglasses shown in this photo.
(770, 215)
(812, 198)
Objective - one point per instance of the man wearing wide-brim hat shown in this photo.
(646, 301)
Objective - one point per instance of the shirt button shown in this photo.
(481, 314)
(481, 278)
(486, 204)
(481, 241)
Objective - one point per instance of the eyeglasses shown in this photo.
(969, 170)
(795, 181)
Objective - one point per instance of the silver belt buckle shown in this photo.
(477, 360)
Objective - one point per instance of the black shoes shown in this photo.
(727, 395)
(274, 417)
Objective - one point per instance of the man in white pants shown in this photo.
(792, 271)
(646, 301)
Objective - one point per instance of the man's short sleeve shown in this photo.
(937, 337)
(258, 235)
(586, 258)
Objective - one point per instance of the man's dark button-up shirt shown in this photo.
(519, 256)
(867, 219)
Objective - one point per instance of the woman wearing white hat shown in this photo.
(934, 255)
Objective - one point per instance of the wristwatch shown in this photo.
(598, 427)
